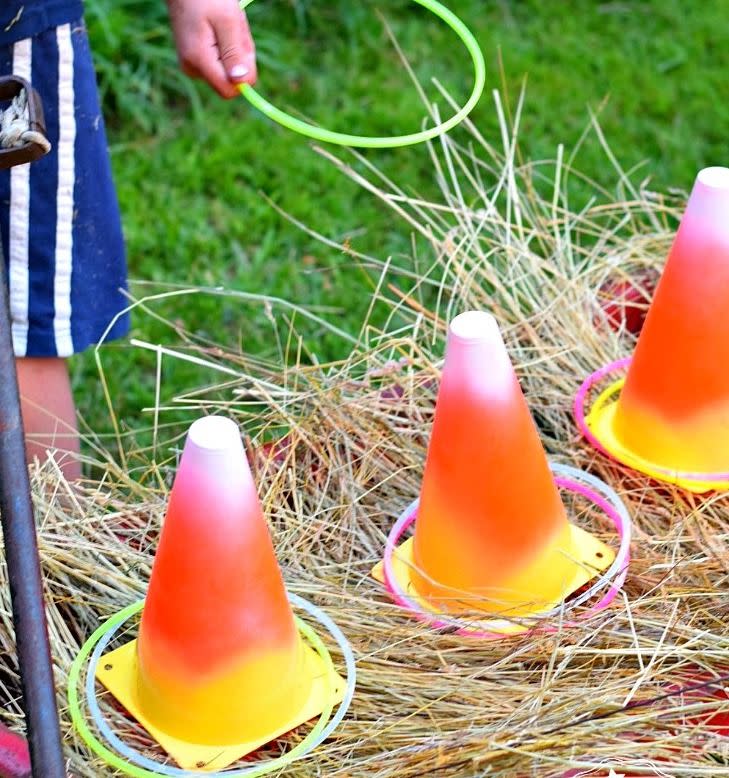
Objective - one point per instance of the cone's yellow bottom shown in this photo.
(562, 569)
(118, 671)
(651, 448)
(204, 707)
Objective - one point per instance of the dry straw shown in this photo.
(504, 236)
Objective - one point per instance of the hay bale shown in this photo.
(615, 690)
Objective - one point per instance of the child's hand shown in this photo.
(214, 43)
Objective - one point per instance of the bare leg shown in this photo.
(49, 413)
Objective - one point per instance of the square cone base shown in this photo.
(117, 670)
(590, 555)
(601, 421)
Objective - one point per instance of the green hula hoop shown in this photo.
(364, 141)
(114, 760)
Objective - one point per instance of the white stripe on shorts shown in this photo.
(64, 202)
(20, 223)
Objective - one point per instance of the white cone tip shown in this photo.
(709, 203)
(214, 433)
(714, 178)
(476, 352)
(475, 327)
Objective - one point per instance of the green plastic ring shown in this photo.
(364, 141)
(114, 760)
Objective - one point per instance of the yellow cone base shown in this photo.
(590, 556)
(117, 670)
(601, 421)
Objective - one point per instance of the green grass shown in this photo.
(192, 171)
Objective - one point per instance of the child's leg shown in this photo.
(49, 414)
(61, 236)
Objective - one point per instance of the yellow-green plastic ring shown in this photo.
(364, 141)
(116, 761)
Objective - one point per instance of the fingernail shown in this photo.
(238, 71)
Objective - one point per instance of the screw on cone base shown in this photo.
(219, 662)
(672, 415)
(492, 533)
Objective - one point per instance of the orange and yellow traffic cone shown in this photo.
(492, 534)
(219, 668)
(671, 418)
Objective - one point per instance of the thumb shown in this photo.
(236, 48)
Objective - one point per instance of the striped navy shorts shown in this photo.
(59, 217)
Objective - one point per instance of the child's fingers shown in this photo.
(235, 47)
(211, 69)
(202, 60)
(214, 43)
(203, 64)
(250, 51)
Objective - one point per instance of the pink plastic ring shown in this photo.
(619, 518)
(581, 419)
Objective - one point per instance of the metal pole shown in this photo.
(24, 571)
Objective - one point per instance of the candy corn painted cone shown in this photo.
(671, 419)
(219, 668)
(492, 533)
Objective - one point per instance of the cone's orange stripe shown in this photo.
(214, 555)
(681, 359)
